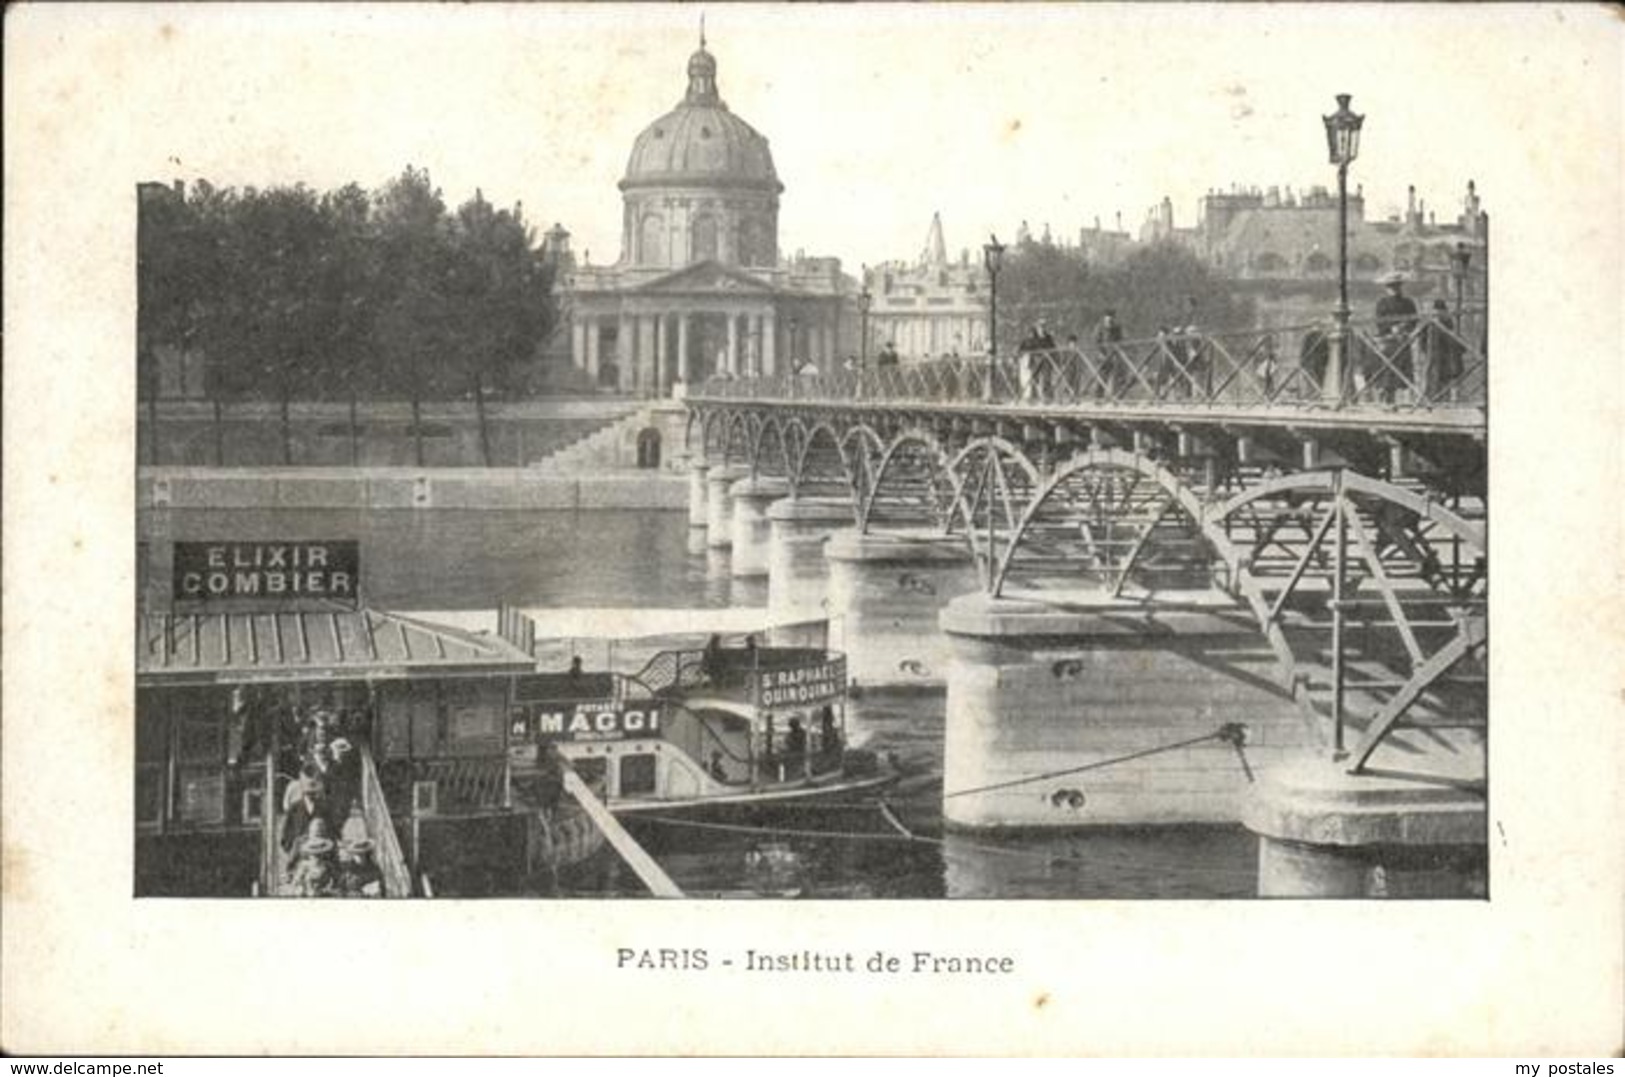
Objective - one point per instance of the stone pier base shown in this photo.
(797, 574)
(751, 499)
(697, 515)
(1328, 834)
(1040, 688)
(719, 523)
(887, 590)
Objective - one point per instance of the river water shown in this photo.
(464, 561)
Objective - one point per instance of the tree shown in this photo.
(346, 294)
(1150, 288)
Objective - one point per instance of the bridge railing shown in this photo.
(1425, 362)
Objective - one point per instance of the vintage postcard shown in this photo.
(973, 522)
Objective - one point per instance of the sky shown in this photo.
(877, 115)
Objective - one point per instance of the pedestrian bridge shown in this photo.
(1332, 484)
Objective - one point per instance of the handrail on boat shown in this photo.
(391, 860)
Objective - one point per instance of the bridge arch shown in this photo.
(767, 445)
(1341, 571)
(1387, 582)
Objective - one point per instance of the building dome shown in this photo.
(701, 143)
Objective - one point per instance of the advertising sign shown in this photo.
(630, 720)
(802, 685)
(273, 571)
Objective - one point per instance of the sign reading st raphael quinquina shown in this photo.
(274, 571)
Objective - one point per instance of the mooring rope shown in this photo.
(1094, 860)
(1233, 733)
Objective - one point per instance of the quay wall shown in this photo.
(405, 488)
(249, 434)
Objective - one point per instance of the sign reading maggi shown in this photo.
(275, 571)
(801, 685)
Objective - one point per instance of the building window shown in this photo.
(1317, 263)
(638, 775)
(652, 240)
(703, 241)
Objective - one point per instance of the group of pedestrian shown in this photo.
(322, 861)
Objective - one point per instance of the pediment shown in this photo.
(710, 278)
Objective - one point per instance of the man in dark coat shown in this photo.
(1396, 319)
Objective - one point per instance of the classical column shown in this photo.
(815, 345)
(646, 353)
(578, 343)
(755, 348)
(770, 336)
(827, 335)
(625, 349)
(682, 348)
(733, 344)
(662, 379)
(594, 331)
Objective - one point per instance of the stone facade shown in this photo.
(929, 307)
(701, 288)
(1281, 248)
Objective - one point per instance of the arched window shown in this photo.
(756, 247)
(703, 239)
(1317, 263)
(652, 240)
(1367, 263)
(1269, 262)
(648, 447)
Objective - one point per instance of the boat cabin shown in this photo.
(227, 705)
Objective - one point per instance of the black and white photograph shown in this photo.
(804, 461)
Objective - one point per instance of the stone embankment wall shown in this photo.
(405, 488)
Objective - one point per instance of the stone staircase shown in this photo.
(610, 447)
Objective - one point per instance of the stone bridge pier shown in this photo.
(1323, 832)
(719, 527)
(751, 498)
(1078, 709)
(887, 589)
(697, 471)
(797, 574)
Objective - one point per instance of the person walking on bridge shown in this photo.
(1396, 322)
(1108, 352)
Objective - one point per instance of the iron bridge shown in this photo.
(1333, 482)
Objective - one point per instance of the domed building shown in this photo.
(700, 286)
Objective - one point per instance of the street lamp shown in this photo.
(864, 300)
(993, 259)
(1343, 145)
(1460, 259)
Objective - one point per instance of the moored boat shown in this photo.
(700, 731)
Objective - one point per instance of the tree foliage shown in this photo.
(288, 292)
(1150, 288)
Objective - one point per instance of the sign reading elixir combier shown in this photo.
(275, 571)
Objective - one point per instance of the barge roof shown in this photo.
(337, 644)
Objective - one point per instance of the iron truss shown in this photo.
(1357, 549)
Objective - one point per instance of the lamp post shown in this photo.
(1342, 146)
(864, 299)
(993, 259)
(1460, 259)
